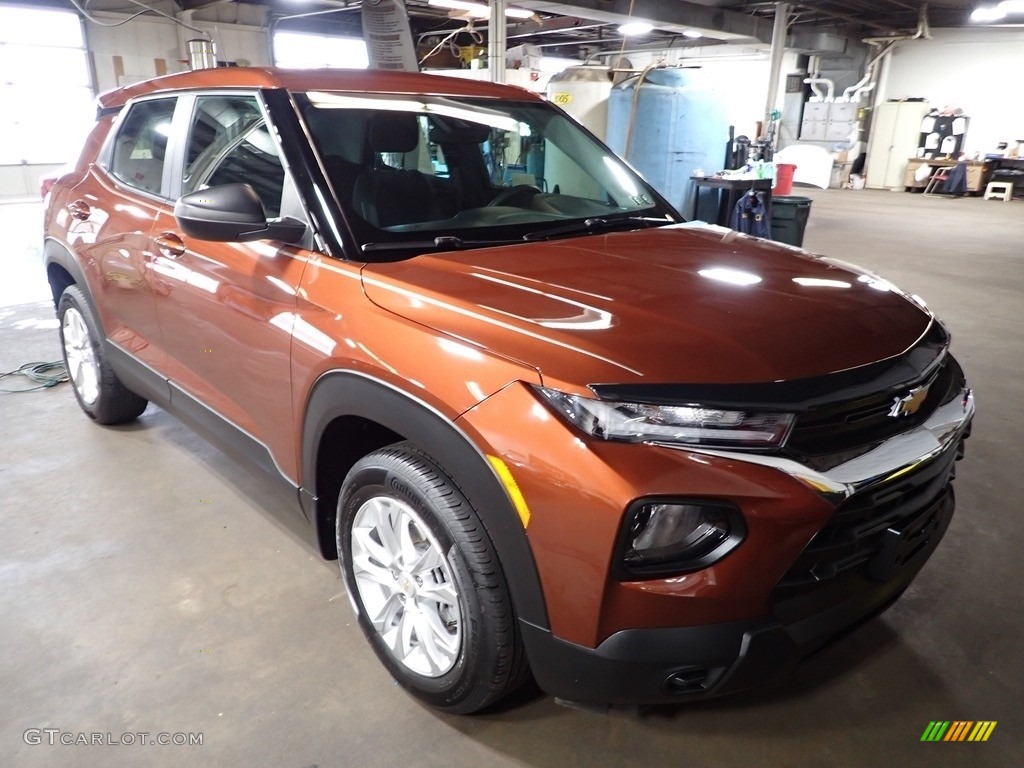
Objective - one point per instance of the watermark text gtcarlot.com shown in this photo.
(56, 736)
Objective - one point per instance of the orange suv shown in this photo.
(546, 426)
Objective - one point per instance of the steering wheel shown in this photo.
(517, 195)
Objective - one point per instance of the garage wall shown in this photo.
(739, 76)
(151, 46)
(147, 47)
(977, 70)
(22, 181)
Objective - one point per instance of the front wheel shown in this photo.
(98, 390)
(425, 582)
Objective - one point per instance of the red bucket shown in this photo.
(783, 179)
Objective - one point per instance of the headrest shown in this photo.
(450, 130)
(340, 133)
(393, 132)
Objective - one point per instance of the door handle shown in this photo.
(79, 210)
(169, 244)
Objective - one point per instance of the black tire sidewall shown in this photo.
(114, 403)
(373, 478)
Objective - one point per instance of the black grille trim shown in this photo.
(859, 535)
(865, 421)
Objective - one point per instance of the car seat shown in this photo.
(387, 196)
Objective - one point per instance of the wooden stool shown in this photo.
(999, 190)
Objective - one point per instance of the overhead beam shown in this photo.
(775, 65)
(668, 15)
(195, 5)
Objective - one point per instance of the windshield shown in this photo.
(415, 169)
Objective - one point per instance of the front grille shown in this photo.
(879, 530)
(865, 421)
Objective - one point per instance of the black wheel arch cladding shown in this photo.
(347, 393)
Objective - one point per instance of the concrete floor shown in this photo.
(148, 584)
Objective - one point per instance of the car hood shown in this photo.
(677, 304)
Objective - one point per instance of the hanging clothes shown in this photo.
(956, 180)
(750, 216)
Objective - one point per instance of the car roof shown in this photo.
(358, 80)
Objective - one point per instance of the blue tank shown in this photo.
(680, 125)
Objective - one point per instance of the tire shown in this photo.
(425, 582)
(98, 390)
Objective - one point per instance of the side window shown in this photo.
(141, 145)
(229, 142)
(253, 160)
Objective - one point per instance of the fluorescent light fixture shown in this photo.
(632, 28)
(518, 13)
(693, 34)
(481, 115)
(985, 13)
(477, 10)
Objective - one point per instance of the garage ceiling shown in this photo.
(866, 18)
(574, 28)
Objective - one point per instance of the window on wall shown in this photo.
(306, 51)
(45, 87)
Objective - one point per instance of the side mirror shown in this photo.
(232, 213)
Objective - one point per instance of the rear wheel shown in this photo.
(425, 582)
(98, 390)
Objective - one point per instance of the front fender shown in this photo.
(339, 394)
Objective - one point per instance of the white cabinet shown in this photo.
(895, 130)
(833, 121)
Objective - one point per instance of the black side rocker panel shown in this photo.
(348, 393)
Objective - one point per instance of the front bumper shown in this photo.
(664, 665)
(810, 607)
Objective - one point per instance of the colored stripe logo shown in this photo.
(958, 730)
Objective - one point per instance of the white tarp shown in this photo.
(388, 36)
(813, 164)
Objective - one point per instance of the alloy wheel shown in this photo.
(83, 367)
(406, 586)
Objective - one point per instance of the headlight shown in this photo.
(684, 424)
(667, 537)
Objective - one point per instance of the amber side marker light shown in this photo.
(512, 487)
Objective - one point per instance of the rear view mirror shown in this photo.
(232, 213)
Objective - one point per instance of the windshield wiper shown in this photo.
(441, 243)
(596, 224)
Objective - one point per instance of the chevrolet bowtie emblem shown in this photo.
(910, 402)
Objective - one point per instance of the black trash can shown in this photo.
(789, 218)
(1010, 176)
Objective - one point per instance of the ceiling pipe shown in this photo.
(496, 42)
(858, 86)
(775, 62)
(634, 106)
(666, 15)
(855, 96)
(829, 94)
(923, 31)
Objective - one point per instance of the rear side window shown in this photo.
(140, 148)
